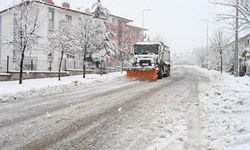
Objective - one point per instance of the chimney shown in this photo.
(49, 2)
(66, 5)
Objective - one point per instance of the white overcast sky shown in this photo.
(178, 21)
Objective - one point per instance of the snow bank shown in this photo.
(224, 110)
(4, 74)
(11, 90)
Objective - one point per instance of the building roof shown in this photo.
(148, 43)
(151, 43)
(245, 36)
(240, 38)
(246, 51)
(118, 17)
(68, 9)
(51, 5)
(137, 27)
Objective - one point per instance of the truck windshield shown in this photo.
(146, 49)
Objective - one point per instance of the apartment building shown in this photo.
(51, 17)
(125, 32)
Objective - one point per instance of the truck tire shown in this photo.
(168, 74)
(160, 73)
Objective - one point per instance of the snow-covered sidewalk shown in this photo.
(225, 110)
(11, 90)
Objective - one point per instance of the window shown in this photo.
(128, 34)
(14, 55)
(114, 21)
(68, 18)
(247, 43)
(51, 15)
(51, 19)
(16, 35)
(69, 56)
(114, 32)
(50, 57)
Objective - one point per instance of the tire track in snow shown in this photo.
(130, 104)
(83, 123)
(50, 107)
(193, 141)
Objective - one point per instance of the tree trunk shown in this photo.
(122, 62)
(21, 69)
(102, 68)
(84, 68)
(84, 60)
(60, 66)
(221, 63)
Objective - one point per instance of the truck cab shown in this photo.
(152, 55)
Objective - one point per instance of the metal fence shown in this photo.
(10, 64)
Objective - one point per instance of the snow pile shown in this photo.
(224, 108)
(11, 90)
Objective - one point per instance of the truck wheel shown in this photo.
(160, 74)
(168, 74)
(165, 73)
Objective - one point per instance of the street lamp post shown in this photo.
(143, 15)
(207, 38)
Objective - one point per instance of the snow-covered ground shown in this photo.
(11, 90)
(193, 109)
(225, 110)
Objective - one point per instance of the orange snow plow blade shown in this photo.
(144, 74)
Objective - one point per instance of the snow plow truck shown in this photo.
(151, 61)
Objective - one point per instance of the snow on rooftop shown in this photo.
(150, 43)
(147, 43)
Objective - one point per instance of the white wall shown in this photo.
(39, 51)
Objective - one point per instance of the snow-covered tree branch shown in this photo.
(219, 43)
(100, 11)
(91, 37)
(63, 42)
(243, 8)
(105, 47)
(26, 26)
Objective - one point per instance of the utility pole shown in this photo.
(207, 35)
(236, 53)
(207, 38)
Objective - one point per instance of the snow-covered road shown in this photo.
(119, 114)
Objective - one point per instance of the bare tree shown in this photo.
(26, 25)
(90, 33)
(232, 5)
(126, 49)
(219, 43)
(63, 42)
(239, 21)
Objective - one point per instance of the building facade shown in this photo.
(123, 32)
(51, 17)
(244, 46)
